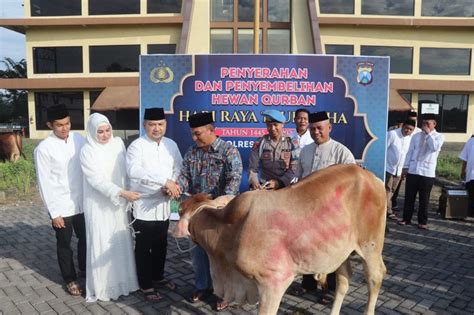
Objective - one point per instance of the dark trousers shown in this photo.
(470, 192)
(310, 284)
(395, 195)
(421, 185)
(63, 246)
(151, 242)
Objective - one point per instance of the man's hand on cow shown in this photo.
(272, 184)
(255, 185)
(58, 223)
(172, 189)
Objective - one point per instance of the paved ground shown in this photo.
(429, 272)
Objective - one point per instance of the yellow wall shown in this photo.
(301, 36)
(199, 28)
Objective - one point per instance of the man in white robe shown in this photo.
(420, 170)
(322, 153)
(398, 142)
(59, 175)
(153, 165)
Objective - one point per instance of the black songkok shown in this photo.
(318, 116)
(412, 114)
(56, 112)
(410, 122)
(155, 113)
(200, 119)
(429, 117)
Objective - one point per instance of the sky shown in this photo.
(12, 44)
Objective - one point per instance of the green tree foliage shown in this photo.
(13, 103)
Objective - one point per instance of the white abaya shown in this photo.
(110, 265)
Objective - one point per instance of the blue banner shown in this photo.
(237, 88)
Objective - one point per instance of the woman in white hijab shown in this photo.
(110, 265)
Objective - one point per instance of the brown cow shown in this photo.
(10, 147)
(261, 240)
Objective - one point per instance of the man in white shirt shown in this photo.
(153, 165)
(467, 170)
(412, 115)
(398, 142)
(419, 168)
(302, 131)
(59, 174)
(322, 153)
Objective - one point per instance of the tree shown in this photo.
(13, 103)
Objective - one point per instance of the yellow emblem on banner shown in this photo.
(161, 74)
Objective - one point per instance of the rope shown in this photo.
(183, 250)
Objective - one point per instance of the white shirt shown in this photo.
(315, 157)
(423, 153)
(59, 174)
(397, 148)
(149, 166)
(303, 140)
(467, 155)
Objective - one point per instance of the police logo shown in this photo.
(364, 72)
(161, 74)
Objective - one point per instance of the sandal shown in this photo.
(166, 284)
(152, 296)
(200, 295)
(73, 288)
(221, 305)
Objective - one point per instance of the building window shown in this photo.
(161, 49)
(221, 41)
(100, 7)
(456, 8)
(222, 11)
(57, 59)
(452, 111)
(445, 61)
(114, 58)
(245, 10)
(245, 41)
(401, 58)
(164, 6)
(74, 102)
(279, 41)
(388, 7)
(279, 10)
(55, 7)
(336, 6)
(232, 26)
(339, 49)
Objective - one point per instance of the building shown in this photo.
(84, 53)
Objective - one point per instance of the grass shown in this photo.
(20, 178)
(449, 166)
